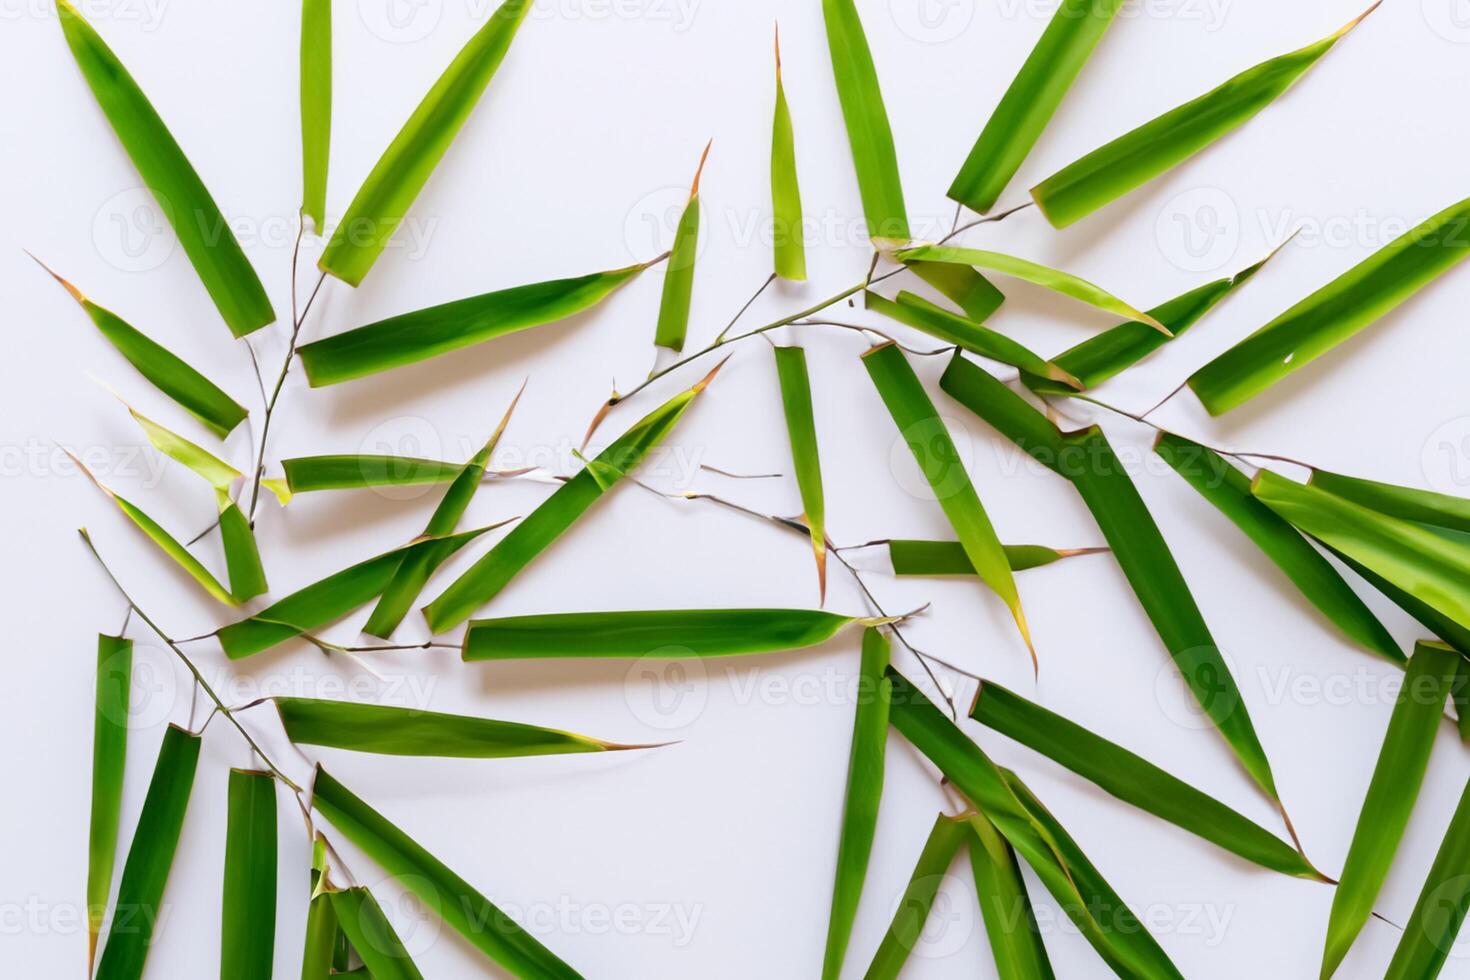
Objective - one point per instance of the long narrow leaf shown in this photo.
(1135, 158)
(801, 429)
(422, 334)
(209, 467)
(1429, 935)
(387, 730)
(907, 927)
(150, 857)
(1397, 777)
(316, 107)
(307, 474)
(372, 935)
(963, 286)
(401, 172)
(484, 580)
(325, 946)
(790, 249)
(202, 230)
(860, 805)
(472, 915)
(673, 308)
(1031, 100)
(1133, 779)
(109, 758)
(1229, 490)
(911, 557)
(1409, 503)
(1337, 311)
(1010, 923)
(1055, 280)
(669, 633)
(919, 425)
(248, 910)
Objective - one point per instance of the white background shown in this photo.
(713, 858)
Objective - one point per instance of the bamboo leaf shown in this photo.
(1337, 311)
(166, 542)
(873, 156)
(1408, 503)
(406, 731)
(1010, 924)
(248, 921)
(484, 580)
(1088, 461)
(150, 857)
(472, 915)
(796, 403)
(201, 397)
(415, 570)
(316, 107)
(1460, 695)
(372, 935)
(203, 232)
(790, 250)
(864, 790)
(325, 944)
(214, 471)
(1432, 619)
(1109, 353)
(911, 557)
(1229, 490)
(1397, 777)
(1084, 895)
(242, 552)
(1429, 935)
(669, 633)
(919, 313)
(109, 758)
(1055, 280)
(422, 334)
(904, 932)
(308, 474)
(1430, 567)
(963, 286)
(1031, 100)
(1134, 780)
(401, 172)
(920, 426)
(331, 598)
(673, 308)
(1137, 157)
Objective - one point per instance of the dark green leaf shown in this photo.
(907, 926)
(248, 921)
(1429, 935)
(109, 756)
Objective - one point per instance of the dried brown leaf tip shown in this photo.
(699, 171)
(76, 293)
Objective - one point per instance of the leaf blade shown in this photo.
(109, 759)
(316, 107)
(904, 932)
(248, 909)
(1010, 924)
(787, 231)
(673, 307)
(801, 430)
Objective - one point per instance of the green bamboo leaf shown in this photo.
(1084, 895)
(331, 598)
(963, 286)
(325, 944)
(372, 935)
(1053, 279)
(1137, 157)
(790, 250)
(201, 397)
(215, 471)
(1229, 490)
(1429, 935)
(486, 927)
(796, 403)
(1134, 780)
(673, 308)
(316, 107)
(422, 334)
(1088, 461)
(166, 542)
(308, 474)
(920, 426)
(873, 156)
(1010, 924)
(1337, 311)
(401, 172)
(1429, 566)
(919, 313)
(1030, 102)
(669, 633)
(864, 790)
(904, 932)
(1419, 506)
(484, 580)
(1109, 353)
(407, 731)
(1432, 619)
(1397, 777)
(109, 758)
(150, 856)
(242, 552)
(1460, 695)
(912, 557)
(248, 920)
(416, 569)
(203, 232)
